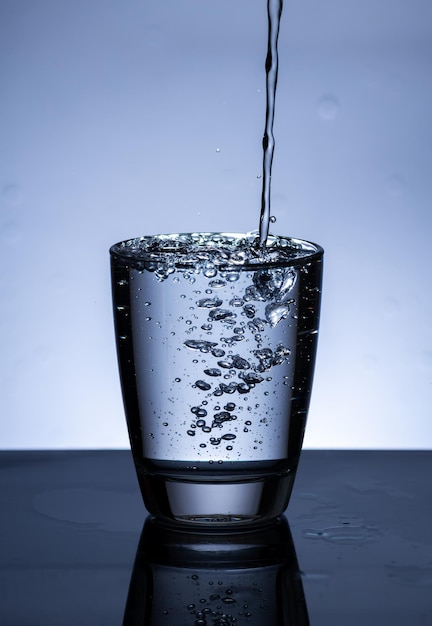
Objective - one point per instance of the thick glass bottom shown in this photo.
(216, 501)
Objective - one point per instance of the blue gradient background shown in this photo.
(125, 118)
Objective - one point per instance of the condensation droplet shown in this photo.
(395, 186)
(425, 360)
(12, 195)
(154, 37)
(10, 233)
(395, 84)
(328, 108)
(391, 305)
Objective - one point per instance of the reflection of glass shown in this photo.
(212, 579)
(216, 341)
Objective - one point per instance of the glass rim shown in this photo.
(303, 251)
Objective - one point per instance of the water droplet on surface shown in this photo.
(345, 534)
(328, 108)
(12, 195)
(395, 84)
(154, 37)
(425, 360)
(391, 305)
(396, 186)
(10, 233)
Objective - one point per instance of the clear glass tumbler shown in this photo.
(216, 341)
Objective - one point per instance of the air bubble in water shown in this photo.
(232, 276)
(201, 384)
(239, 363)
(209, 303)
(236, 301)
(217, 283)
(201, 345)
(276, 312)
(213, 371)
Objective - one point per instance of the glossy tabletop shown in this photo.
(361, 550)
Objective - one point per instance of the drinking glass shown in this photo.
(216, 341)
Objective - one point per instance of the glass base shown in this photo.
(217, 503)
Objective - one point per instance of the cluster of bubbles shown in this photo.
(209, 253)
(227, 369)
(215, 610)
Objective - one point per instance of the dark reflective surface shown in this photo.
(70, 526)
(216, 579)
